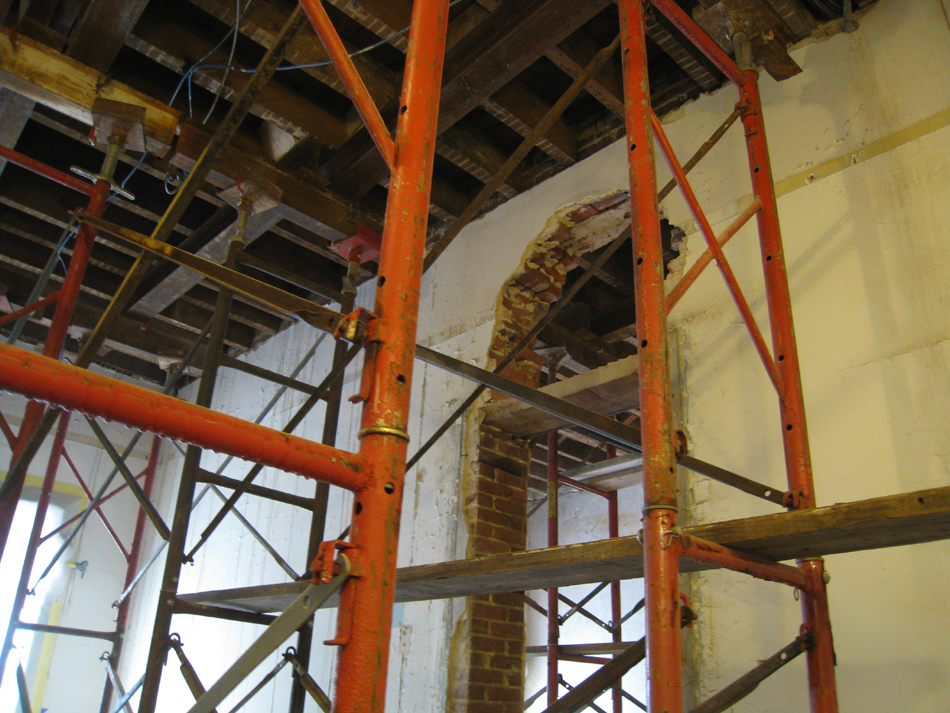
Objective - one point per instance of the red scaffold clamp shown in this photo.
(356, 325)
(324, 565)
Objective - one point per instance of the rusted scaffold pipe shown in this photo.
(55, 341)
(366, 601)
(820, 657)
(660, 563)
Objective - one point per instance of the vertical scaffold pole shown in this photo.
(122, 613)
(821, 657)
(53, 347)
(175, 557)
(553, 618)
(664, 643)
(366, 601)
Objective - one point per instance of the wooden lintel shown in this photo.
(605, 390)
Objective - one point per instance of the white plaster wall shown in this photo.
(76, 676)
(867, 256)
(868, 260)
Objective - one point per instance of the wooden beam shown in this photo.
(101, 31)
(574, 54)
(262, 23)
(515, 105)
(338, 217)
(518, 108)
(166, 41)
(484, 61)
(891, 521)
(607, 390)
(15, 111)
(181, 280)
(69, 87)
(683, 52)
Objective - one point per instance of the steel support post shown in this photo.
(158, 647)
(331, 419)
(122, 614)
(664, 642)
(821, 658)
(553, 620)
(616, 612)
(365, 617)
(53, 348)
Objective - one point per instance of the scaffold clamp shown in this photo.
(325, 566)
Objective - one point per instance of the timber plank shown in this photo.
(102, 30)
(70, 87)
(606, 390)
(905, 519)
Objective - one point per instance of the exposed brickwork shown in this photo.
(488, 659)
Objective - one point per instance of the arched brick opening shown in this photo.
(486, 669)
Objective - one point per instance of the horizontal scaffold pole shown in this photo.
(69, 387)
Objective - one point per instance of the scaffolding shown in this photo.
(361, 568)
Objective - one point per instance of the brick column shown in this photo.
(486, 670)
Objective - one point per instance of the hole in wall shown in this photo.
(389, 488)
(401, 379)
(358, 507)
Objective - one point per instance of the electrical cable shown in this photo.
(234, 38)
(189, 75)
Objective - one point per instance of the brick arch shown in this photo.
(486, 668)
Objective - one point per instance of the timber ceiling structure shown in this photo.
(508, 64)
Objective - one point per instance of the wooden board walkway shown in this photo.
(910, 518)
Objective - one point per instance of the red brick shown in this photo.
(506, 478)
(486, 675)
(515, 539)
(484, 529)
(493, 487)
(582, 213)
(497, 518)
(497, 693)
(506, 663)
(488, 644)
(515, 647)
(509, 505)
(509, 631)
(478, 625)
(550, 295)
(492, 612)
(478, 692)
(531, 280)
(481, 546)
(509, 599)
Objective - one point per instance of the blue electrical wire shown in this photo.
(130, 174)
(189, 75)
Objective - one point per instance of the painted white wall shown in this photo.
(76, 676)
(868, 259)
(868, 269)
